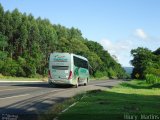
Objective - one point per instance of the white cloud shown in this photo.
(120, 49)
(114, 47)
(141, 34)
(147, 40)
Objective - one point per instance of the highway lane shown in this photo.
(33, 98)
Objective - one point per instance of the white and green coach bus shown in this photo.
(68, 68)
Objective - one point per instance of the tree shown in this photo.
(3, 53)
(144, 62)
(157, 52)
(2, 26)
(26, 43)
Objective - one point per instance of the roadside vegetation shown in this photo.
(26, 42)
(129, 98)
(146, 64)
(57, 109)
(11, 78)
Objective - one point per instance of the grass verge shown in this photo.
(39, 78)
(119, 103)
(58, 108)
(10, 78)
(102, 78)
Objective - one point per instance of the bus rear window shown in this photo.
(60, 67)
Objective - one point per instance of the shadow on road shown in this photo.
(17, 114)
(42, 85)
(29, 109)
(107, 86)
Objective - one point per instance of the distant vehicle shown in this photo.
(68, 68)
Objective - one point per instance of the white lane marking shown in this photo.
(14, 96)
(69, 107)
(56, 118)
(12, 89)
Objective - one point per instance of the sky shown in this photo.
(118, 25)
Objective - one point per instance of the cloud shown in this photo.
(141, 34)
(121, 49)
(143, 39)
(114, 47)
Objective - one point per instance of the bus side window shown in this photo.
(80, 63)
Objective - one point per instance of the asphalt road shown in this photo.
(18, 100)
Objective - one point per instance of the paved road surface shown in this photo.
(24, 99)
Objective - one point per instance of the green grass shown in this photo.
(133, 98)
(102, 78)
(10, 78)
(56, 109)
(39, 78)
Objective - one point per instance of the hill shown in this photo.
(128, 69)
(26, 42)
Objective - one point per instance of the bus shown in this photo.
(68, 68)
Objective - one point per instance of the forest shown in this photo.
(26, 43)
(146, 64)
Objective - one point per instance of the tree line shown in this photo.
(145, 62)
(26, 42)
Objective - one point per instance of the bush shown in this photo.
(35, 76)
(152, 79)
(112, 74)
(99, 74)
(11, 67)
(152, 70)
